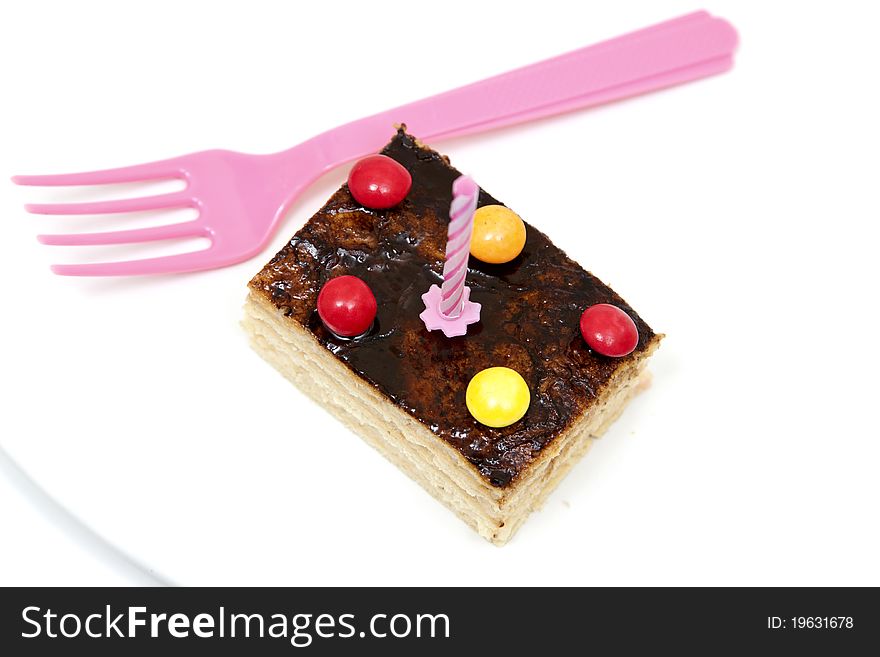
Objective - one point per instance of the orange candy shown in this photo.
(499, 234)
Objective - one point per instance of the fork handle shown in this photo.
(669, 53)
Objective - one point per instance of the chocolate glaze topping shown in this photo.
(530, 312)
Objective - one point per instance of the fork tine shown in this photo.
(159, 170)
(172, 231)
(182, 262)
(157, 202)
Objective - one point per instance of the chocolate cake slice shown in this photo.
(402, 388)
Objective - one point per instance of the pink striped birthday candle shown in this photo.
(458, 245)
(449, 307)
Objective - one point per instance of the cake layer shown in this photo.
(496, 513)
(531, 307)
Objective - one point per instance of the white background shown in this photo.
(144, 442)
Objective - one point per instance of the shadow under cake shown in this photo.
(402, 388)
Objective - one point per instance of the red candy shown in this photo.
(347, 306)
(379, 182)
(609, 331)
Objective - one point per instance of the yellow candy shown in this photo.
(497, 397)
(499, 234)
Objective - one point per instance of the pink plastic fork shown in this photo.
(241, 198)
